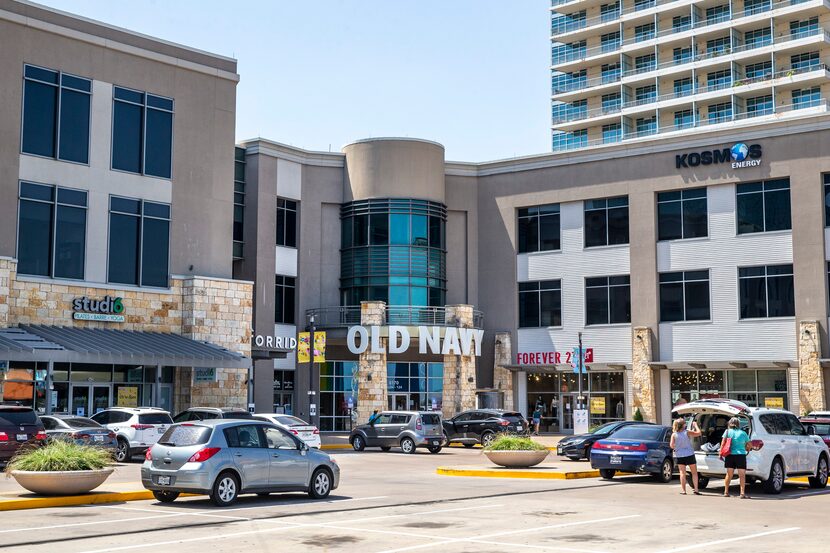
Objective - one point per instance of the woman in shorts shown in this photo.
(736, 460)
(681, 443)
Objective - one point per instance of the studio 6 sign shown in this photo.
(431, 339)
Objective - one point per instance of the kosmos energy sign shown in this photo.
(740, 155)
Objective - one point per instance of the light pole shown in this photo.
(312, 405)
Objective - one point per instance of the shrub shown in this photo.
(60, 455)
(638, 416)
(510, 442)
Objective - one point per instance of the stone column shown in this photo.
(810, 374)
(8, 269)
(642, 374)
(371, 367)
(503, 378)
(459, 370)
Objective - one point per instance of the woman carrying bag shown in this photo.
(734, 447)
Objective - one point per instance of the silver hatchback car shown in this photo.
(408, 430)
(224, 458)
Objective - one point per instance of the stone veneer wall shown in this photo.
(642, 374)
(810, 374)
(218, 311)
(459, 370)
(371, 371)
(503, 378)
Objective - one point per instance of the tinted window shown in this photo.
(431, 419)
(40, 107)
(768, 422)
(182, 417)
(70, 242)
(126, 137)
(155, 418)
(605, 428)
(819, 429)
(383, 419)
(399, 419)
(17, 417)
(608, 300)
(639, 433)
(102, 418)
(123, 249)
(795, 426)
(154, 258)
(764, 206)
(180, 435)
(49, 423)
(237, 415)
(74, 126)
(159, 143)
(287, 225)
(34, 248)
(142, 133)
(684, 296)
(606, 221)
(539, 228)
(243, 436)
(81, 422)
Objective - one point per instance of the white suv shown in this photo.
(136, 428)
(786, 449)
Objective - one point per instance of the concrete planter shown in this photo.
(517, 459)
(61, 482)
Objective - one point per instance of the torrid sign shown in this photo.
(740, 155)
(108, 309)
(551, 357)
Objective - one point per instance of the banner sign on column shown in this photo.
(319, 347)
(304, 347)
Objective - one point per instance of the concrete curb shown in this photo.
(69, 500)
(517, 473)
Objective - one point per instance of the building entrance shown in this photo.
(88, 400)
(400, 402)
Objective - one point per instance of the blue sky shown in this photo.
(316, 74)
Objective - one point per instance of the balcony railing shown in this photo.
(404, 315)
(735, 117)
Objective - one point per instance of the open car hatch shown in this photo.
(723, 406)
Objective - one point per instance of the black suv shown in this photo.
(480, 426)
(207, 413)
(18, 426)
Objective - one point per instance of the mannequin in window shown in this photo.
(620, 409)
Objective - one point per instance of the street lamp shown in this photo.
(312, 406)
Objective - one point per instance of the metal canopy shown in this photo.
(97, 345)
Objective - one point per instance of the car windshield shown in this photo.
(604, 428)
(512, 417)
(290, 421)
(155, 418)
(17, 417)
(81, 422)
(638, 433)
(185, 435)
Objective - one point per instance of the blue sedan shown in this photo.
(639, 449)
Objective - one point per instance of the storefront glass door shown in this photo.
(88, 400)
(567, 411)
(399, 402)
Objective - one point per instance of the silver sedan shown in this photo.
(224, 458)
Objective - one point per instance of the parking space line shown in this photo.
(74, 524)
(729, 540)
(545, 547)
(509, 533)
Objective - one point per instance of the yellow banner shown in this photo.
(127, 396)
(774, 402)
(303, 347)
(319, 347)
(597, 405)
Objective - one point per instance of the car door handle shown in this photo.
(275, 455)
(237, 454)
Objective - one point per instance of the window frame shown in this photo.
(57, 136)
(766, 277)
(607, 287)
(538, 293)
(682, 201)
(140, 253)
(763, 192)
(683, 281)
(538, 215)
(143, 141)
(296, 211)
(281, 283)
(607, 243)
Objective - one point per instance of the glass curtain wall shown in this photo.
(756, 388)
(555, 396)
(415, 386)
(338, 384)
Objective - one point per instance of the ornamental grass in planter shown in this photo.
(60, 468)
(513, 451)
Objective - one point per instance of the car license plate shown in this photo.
(519, 429)
(616, 460)
(163, 480)
(22, 437)
(559, 450)
(161, 429)
(98, 438)
(436, 442)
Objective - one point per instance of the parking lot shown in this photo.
(390, 502)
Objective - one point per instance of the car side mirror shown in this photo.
(811, 430)
(303, 446)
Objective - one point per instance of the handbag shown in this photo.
(725, 447)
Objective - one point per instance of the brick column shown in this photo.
(642, 374)
(371, 371)
(503, 378)
(810, 374)
(459, 370)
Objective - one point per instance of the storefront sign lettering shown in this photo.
(127, 396)
(431, 339)
(108, 309)
(597, 405)
(278, 342)
(740, 155)
(774, 402)
(204, 374)
(551, 357)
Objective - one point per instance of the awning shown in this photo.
(124, 347)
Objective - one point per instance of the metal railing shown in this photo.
(404, 315)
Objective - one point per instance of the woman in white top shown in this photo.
(681, 443)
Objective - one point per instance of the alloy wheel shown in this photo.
(122, 452)
(322, 483)
(487, 439)
(822, 471)
(227, 489)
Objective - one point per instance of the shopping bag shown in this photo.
(725, 447)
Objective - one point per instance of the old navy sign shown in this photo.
(740, 155)
(431, 339)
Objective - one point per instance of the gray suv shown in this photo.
(225, 457)
(408, 430)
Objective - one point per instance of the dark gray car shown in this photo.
(408, 430)
(81, 430)
(224, 458)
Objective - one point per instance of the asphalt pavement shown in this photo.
(391, 502)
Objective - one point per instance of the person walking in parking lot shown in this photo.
(739, 446)
(681, 443)
(537, 420)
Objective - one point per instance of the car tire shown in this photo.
(320, 486)
(607, 474)
(487, 438)
(165, 496)
(122, 451)
(775, 483)
(573, 458)
(468, 446)
(702, 482)
(385, 448)
(225, 489)
(408, 445)
(358, 443)
(820, 479)
(434, 449)
(666, 472)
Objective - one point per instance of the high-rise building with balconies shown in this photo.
(631, 69)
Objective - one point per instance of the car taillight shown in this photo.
(141, 426)
(148, 455)
(620, 447)
(295, 432)
(504, 423)
(111, 435)
(4, 437)
(315, 431)
(41, 435)
(203, 454)
(598, 445)
(757, 444)
(418, 424)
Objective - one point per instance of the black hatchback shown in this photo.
(18, 426)
(480, 426)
